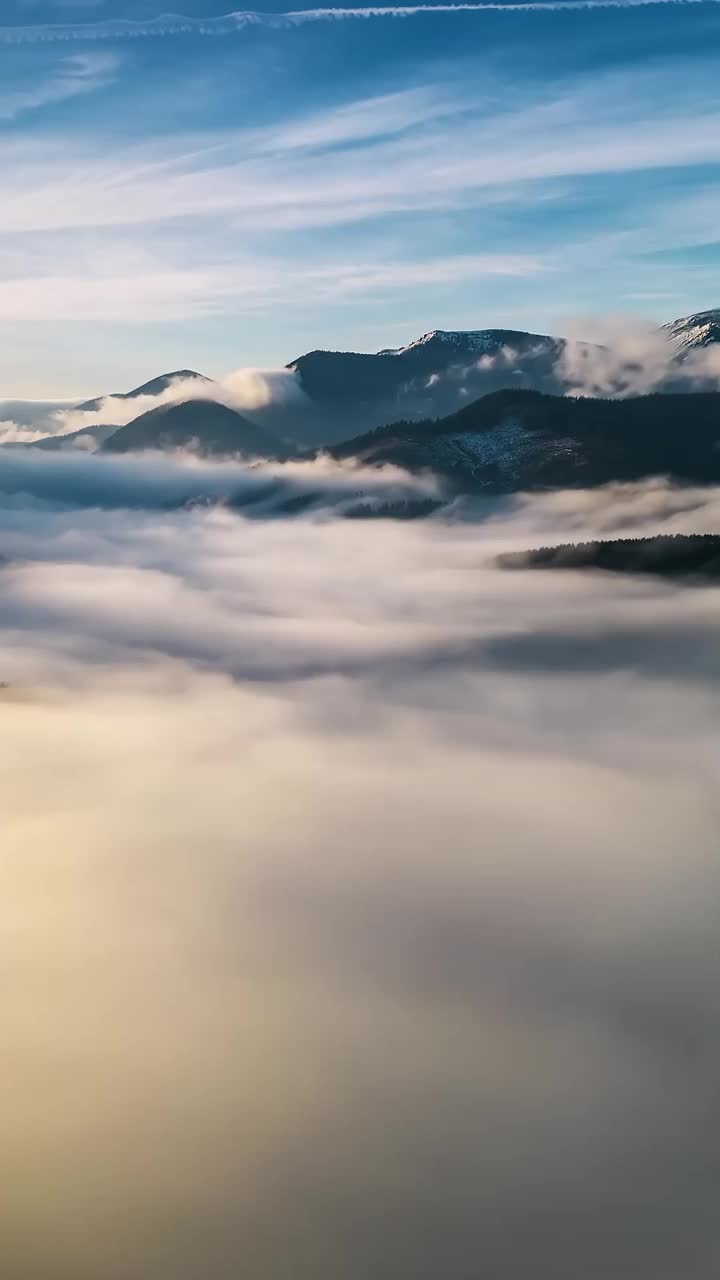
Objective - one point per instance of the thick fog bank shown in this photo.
(166, 480)
(359, 899)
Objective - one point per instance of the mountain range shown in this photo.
(428, 375)
(516, 427)
(434, 374)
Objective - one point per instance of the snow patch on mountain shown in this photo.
(690, 332)
(507, 447)
(466, 339)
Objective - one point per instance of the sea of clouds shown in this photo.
(76, 479)
(359, 899)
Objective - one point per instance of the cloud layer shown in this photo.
(617, 356)
(243, 389)
(360, 899)
(232, 23)
(76, 479)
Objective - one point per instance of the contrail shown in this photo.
(170, 24)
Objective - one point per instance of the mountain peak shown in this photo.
(165, 380)
(206, 426)
(698, 330)
(467, 339)
(155, 387)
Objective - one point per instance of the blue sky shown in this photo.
(216, 200)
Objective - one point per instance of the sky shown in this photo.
(219, 193)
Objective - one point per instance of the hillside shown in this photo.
(429, 375)
(201, 425)
(83, 438)
(520, 439)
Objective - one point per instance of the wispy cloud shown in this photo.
(384, 162)
(312, 203)
(140, 297)
(183, 225)
(232, 23)
(74, 76)
(15, 433)
(384, 116)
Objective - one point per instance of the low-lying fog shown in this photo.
(359, 900)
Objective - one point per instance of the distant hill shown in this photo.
(202, 425)
(429, 375)
(522, 439)
(155, 387)
(90, 437)
(95, 434)
(341, 376)
(675, 556)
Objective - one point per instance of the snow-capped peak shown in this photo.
(697, 330)
(468, 339)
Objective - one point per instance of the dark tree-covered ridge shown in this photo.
(671, 555)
